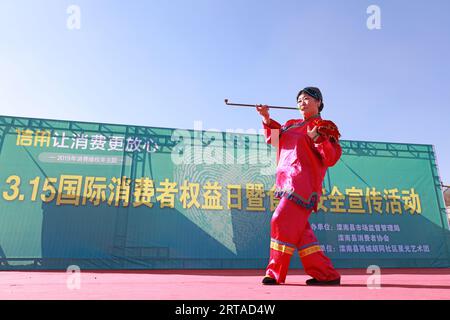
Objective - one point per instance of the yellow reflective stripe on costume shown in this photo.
(281, 247)
(308, 251)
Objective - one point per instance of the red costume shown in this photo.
(302, 164)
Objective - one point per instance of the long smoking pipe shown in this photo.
(254, 105)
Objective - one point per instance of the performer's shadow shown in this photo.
(3, 259)
(251, 237)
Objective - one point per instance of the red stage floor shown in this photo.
(220, 285)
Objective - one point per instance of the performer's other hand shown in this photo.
(313, 134)
(264, 112)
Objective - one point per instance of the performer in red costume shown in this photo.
(306, 148)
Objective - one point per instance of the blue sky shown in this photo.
(169, 63)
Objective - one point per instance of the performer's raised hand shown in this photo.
(263, 110)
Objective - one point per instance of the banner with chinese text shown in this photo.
(105, 196)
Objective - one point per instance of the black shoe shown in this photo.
(315, 282)
(268, 280)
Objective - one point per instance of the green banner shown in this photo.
(103, 196)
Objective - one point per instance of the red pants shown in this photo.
(290, 231)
